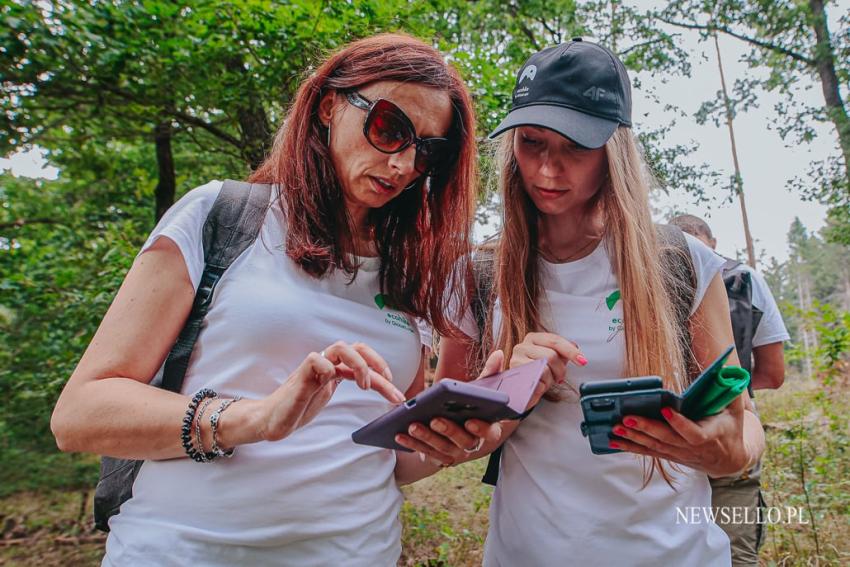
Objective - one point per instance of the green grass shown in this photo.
(807, 465)
(445, 518)
(36, 470)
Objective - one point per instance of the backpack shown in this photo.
(231, 226)
(677, 264)
(745, 316)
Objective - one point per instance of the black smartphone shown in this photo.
(605, 403)
(613, 386)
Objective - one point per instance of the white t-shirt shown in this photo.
(314, 498)
(556, 503)
(771, 328)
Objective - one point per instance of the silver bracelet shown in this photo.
(215, 449)
(204, 456)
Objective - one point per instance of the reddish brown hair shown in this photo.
(423, 233)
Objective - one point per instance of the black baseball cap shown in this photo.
(579, 89)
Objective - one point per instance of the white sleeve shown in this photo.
(426, 333)
(771, 328)
(707, 264)
(183, 223)
(461, 316)
(467, 324)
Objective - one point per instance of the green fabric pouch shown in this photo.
(713, 391)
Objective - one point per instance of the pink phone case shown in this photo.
(501, 396)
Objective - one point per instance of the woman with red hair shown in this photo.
(372, 183)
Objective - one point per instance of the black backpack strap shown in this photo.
(231, 227)
(494, 462)
(745, 319)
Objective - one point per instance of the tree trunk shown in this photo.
(824, 56)
(739, 182)
(804, 324)
(253, 122)
(166, 183)
(255, 133)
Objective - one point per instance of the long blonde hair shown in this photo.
(653, 335)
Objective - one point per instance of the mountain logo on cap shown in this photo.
(529, 72)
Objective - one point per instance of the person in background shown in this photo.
(759, 334)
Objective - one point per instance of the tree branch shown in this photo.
(548, 28)
(522, 27)
(182, 116)
(18, 223)
(644, 44)
(747, 39)
(195, 121)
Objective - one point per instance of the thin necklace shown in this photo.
(576, 254)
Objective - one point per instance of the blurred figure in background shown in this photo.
(759, 334)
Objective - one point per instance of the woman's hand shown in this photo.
(307, 390)
(713, 445)
(556, 350)
(446, 442)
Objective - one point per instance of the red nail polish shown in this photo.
(581, 360)
(621, 431)
(667, 413)
(613, 445)
(630, 422)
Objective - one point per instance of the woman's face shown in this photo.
(558, 175)
(370, 178)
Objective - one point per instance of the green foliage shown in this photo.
(832, 350)
(444, 518)
(813, 282)
(61, 269)
(222, 73)
(90, 81)
(808, 461)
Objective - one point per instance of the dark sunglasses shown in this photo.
(390, 131)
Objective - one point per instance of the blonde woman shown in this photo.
(579, 282)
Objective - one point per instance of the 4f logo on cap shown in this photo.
(529, 72)
(594, 93)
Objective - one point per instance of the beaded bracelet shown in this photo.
(186, 429)
(215, 449)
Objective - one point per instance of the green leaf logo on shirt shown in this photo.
(612, 300)
(379, 301)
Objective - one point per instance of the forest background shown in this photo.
(132, 103)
